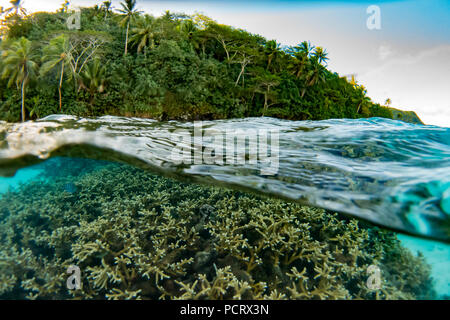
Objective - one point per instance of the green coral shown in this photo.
(139, 236)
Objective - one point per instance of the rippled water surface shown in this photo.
(179, 210)
(393, 174)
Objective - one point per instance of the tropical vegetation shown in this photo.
(175, 66)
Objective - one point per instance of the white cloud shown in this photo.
(384, 51)
(415, 81)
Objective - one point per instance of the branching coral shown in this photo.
(139, 236)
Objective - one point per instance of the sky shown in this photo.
(406, 59)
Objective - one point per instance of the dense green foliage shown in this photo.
(171, 67)
(406, 116)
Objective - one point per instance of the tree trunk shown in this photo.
(269, 61)
(23, 99)
(203, 49)
(91, 100)
(303, 92)
(359, 106)
(60, 86)
(126, 39)
(225, 48)
(265, 104)
(240, 74)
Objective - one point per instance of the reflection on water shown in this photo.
(133, 234)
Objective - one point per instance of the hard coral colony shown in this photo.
(139, 236)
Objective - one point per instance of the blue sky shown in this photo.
(407, 60)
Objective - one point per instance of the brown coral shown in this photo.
(139, 236)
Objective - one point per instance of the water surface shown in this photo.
(391, 173)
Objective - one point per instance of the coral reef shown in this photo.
(135, 235)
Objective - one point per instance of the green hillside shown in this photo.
(406, 116)
(176, 66)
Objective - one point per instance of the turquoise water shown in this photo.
(390, 174)
(21, 177)
(437, 255)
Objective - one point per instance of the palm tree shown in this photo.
(353, 82)
(107, 6)
(189, 28)
(272, 50)
(363, 104)
(306, 48)
(19, 66)
(145, 32)
(130, 13)
(93, 79)
(298, 64)
(17, 8)
(65, 6)
(320, 54)
(388, 102)
(316, 73)
(56, 55)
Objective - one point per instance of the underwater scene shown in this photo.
(255, 208)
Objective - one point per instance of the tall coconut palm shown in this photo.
(56, 55)
(16, 9)
(145, 33)
(298, 64)
(130, 13)
(320, 54)
(65, 6)
(353, 81)
(364, 103)
(272, 50)
(107, 7)
(306, 48)
(316, 73)
(388, 102)
(19, 66)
